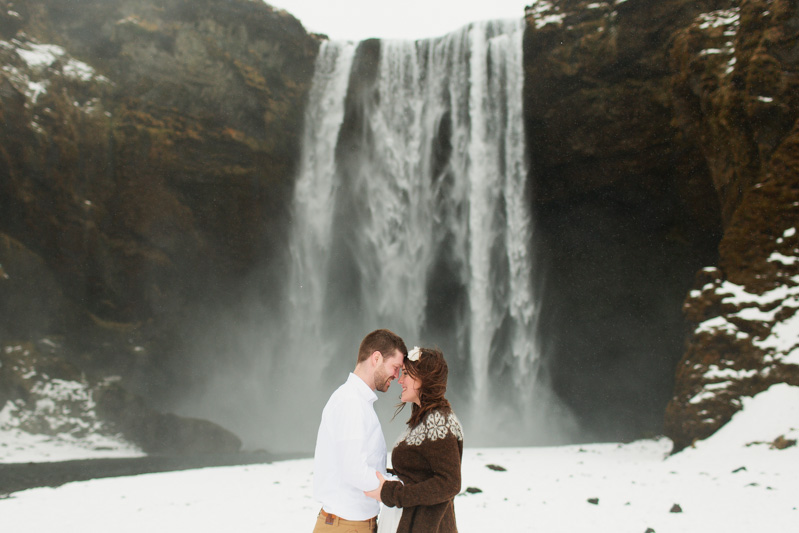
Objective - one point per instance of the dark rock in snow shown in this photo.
(780, 443)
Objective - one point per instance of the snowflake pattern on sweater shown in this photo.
(435, 426)
(427, 459)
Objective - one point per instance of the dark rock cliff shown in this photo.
(626, 212)
(736, 87)
(147, 149)
(663, 142)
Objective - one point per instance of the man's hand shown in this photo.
(376, 492)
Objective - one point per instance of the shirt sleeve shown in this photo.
(351, 440)
(444, 457)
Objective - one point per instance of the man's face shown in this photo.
(387, 370)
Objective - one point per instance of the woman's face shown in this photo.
(410, 388)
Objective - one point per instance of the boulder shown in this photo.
(161, 433)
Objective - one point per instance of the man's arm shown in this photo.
(353, 465)
(351, 445)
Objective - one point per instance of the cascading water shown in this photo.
(410, 213)
(314, 195)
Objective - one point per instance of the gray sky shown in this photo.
(391, 19)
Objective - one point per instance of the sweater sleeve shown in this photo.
(444, 457)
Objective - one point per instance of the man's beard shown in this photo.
(382, 379)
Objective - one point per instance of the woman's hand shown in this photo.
(376, 492)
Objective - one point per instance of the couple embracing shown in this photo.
(350, 476)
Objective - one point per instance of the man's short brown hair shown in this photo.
(383, 341)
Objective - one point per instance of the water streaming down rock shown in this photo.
(410, 213)
(314, 195)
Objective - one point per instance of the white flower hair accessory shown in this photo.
(414, 354)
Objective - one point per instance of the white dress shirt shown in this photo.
(350, 447)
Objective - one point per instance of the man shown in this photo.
(350, 445)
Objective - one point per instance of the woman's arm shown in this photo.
(444, 484)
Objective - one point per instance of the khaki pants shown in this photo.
(326, 523)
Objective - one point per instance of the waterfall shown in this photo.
(314, 195)
(410, 213)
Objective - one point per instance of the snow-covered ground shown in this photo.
(734, 482)
(17, 446)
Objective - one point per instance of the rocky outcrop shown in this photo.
(737, 95)
(160, 433)
(43, 394)
(664, 142)
(147, 149)
(127, 117)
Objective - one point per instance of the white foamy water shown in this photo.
(410, 213)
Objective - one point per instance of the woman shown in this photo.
(427, 457)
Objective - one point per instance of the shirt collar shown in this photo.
(362, 388)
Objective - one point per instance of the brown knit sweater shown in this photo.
(427, 458)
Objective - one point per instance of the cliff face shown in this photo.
(625, 208)
(147, 149)
(177, 102)
(662, 143)
(736, 89)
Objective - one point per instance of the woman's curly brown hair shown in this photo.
(431, 369)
